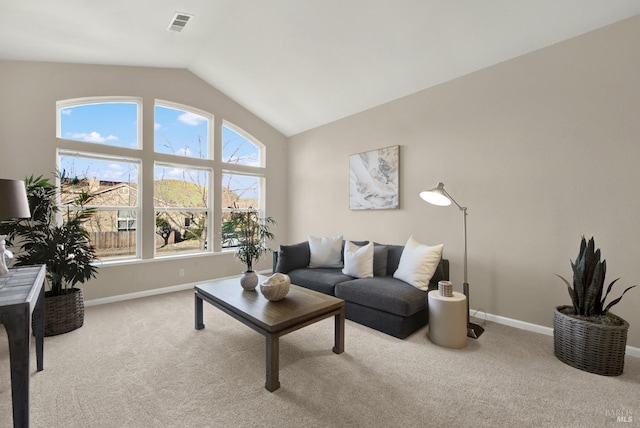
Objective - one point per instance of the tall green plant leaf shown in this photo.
(607, 293)
(594, 288)
(614, 302)
(579, 279)
(574, 298)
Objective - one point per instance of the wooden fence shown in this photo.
(113, 240)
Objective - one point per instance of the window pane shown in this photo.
(181, 232)
(179, 187)
(113, 124)
(113, 185)
(229, 236)
(108, 237)
(181, 201)
(180, 132)
(240, 191)
(238, 150)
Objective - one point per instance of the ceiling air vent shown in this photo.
(179, 21)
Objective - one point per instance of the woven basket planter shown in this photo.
(587, 346)
(63, 313)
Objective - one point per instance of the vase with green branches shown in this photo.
(248, 233)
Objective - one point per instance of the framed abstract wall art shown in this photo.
(373, 179)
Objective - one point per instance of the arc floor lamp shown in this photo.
(439, 196)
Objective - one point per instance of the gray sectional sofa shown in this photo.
(382, 302)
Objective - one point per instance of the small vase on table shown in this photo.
(249, 280)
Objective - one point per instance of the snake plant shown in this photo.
(588, 282)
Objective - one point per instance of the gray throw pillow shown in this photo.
(292, 257)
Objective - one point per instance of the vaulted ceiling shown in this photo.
(298, 64)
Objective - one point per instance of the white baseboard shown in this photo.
(153, 292)
(147, 293)
(632, 351)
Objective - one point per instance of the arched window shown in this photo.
(101, 147)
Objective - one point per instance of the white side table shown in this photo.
(448, 319)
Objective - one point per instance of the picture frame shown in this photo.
(374, 179)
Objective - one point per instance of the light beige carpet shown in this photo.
(141, 363)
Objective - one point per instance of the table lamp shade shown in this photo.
(13, 200)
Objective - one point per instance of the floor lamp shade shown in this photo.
(13, 200)
(436, 196)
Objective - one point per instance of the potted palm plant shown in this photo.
(586, 335)
(246, 231)
(63, 246)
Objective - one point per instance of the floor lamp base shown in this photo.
(474, 330)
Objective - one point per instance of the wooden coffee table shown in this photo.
(301, 307)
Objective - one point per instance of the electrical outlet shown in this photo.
(181, 272)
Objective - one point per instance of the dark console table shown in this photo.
(21, 295)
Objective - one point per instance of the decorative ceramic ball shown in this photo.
(275, 287)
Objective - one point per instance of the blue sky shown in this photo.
(114, 124)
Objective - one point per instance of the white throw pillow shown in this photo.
(358, 261)
(418, 263)
(325, 252)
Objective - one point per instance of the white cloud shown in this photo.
(176, 172)
(156, 126)
(66, 111)
(191, 119)
(185, 151)
(92, 137)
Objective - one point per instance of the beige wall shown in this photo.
(28, 95)
(542, 149)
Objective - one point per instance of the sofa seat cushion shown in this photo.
(318, 279)
(384, 293)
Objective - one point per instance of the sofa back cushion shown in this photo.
(394, 252)
(380, 258)
(441, 273)
(292, 257)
